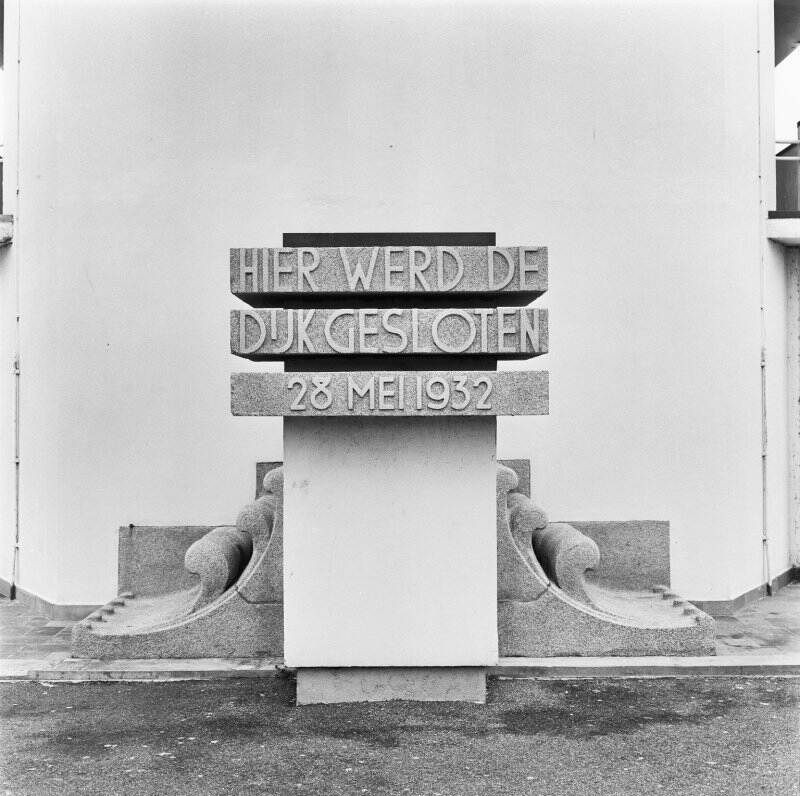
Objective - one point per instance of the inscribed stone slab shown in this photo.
(513, 274)
(272, 334)
(391, 393)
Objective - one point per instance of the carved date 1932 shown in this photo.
(393, 392)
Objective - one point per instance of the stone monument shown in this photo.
(391, 555)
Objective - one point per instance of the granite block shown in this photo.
(565, 555)
(553, 626)
(522, 467)
(547, 608)
(218, 559)
(519, 574)
(262, 468)
(421, 684)
(503, 332)
(162, 627)
(390, 393)
(218, 618)
(633, 554)
(151, 557)
(400, 274)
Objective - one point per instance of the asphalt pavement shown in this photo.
(691, 736)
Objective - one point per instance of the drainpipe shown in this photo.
(762, 243)
(764, 523)
(12, 590)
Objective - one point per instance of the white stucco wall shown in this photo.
(155, 135)
(390, 552)
(777, 328)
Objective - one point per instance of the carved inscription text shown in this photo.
(389, 269)
(274, 333)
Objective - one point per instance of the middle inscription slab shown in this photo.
(505, 332)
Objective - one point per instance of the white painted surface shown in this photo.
(154, 136)
(390, 542)
(784, 230)
(793, 356)
(778, 327)
(787, 96)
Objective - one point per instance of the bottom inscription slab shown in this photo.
(391, 393)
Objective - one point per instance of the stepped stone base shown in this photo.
(552, 626)
(161, 627)
(546, 606)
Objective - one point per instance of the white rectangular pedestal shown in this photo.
(420, 684)
(390, 542)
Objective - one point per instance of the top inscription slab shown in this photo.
(389, 275)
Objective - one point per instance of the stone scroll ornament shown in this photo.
(461, 306)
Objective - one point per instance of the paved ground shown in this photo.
(692, 737)
(26, 634)
(771, 625)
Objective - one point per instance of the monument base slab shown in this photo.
(378, 684)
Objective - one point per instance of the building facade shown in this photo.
(634, 139)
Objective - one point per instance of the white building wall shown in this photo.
(778, 447)
(156, 135)
(8, 300)
(7, 489)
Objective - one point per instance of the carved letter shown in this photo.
(440, 344)
(304, 318)
(529, 334)
(440, 252)
(245, 271)
(278, 269)
(384, 393)
(353, 389)
(363, 331)
(414, 331)
(354, 273)
(341, 349)
(493, 283)
(503, 330)
(398, 330)
(389, 269)
(262, 332)
(484, 314)
(416, 270)
(524, 268)
(289, 333)
(304, 271)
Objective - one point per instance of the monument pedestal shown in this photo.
(390, 535)
(390, 545)
(390, 472)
